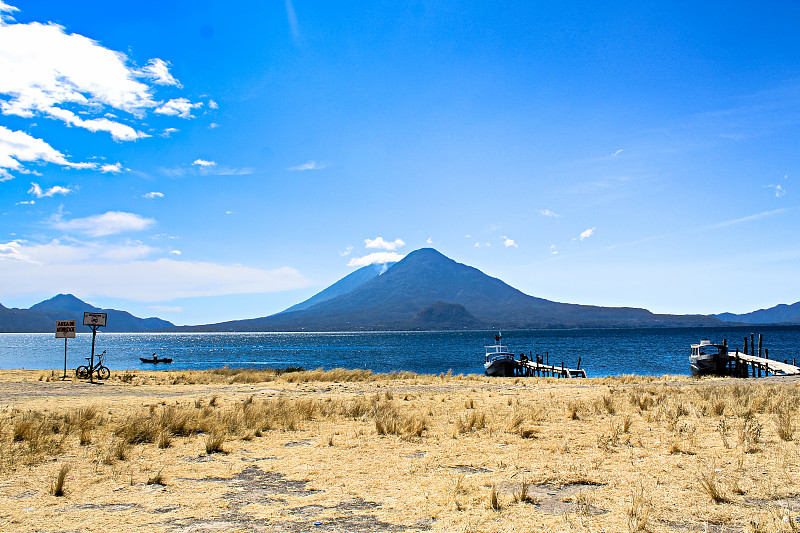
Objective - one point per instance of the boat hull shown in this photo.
(156, 361)
(709, 365)
(501, 368)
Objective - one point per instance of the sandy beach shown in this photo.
(351, 451)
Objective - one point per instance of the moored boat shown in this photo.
(709, 359)
(499, 361)
(155, 359)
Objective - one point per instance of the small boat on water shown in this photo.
(499, 361)
(155, 359)
(709, 359)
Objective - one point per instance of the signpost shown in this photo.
(65, 329)
(94, 321)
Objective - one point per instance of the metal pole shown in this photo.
(91, 365)
(65, 360)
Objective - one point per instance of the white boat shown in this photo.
(499, 361)
(709, 359)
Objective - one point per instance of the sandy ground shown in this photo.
(627, 454)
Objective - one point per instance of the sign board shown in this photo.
(94, 319)
(65, 329)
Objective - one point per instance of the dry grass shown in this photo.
(443, 442)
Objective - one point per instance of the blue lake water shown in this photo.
(604, 352)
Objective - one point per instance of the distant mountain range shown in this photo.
(780, 314)
(424, 291)
(41, 317)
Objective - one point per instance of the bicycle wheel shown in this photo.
(82, 372)
(103, 373)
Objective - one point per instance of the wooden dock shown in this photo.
(540, 366)
(747, 364)
(744, 365)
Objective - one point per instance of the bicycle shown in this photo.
(83, 372)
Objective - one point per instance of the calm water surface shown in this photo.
(603, 352)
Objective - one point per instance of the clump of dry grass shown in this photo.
(57, 486)
(157, 479)
(214, 442)
(494, 499)
(475, 420)
(638, 513)
(750, 433)
(710, 486)
(784, 425)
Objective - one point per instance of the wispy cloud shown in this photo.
(780, 192)
(37, 191)
(376, 258)
(202, 163)
(157, 71)
(17, 146)
(508, 243)
(381, 244)
(109, 223)
(618, 152)
(125, 271)
(153, 194)
(169, 131)
(311, 165)
(180, 107)
(347, 251)
(586, 234)
(115, 168)
(553, 249)
(548, 213)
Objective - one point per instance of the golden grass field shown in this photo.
(242, 450)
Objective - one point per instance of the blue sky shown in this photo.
(204, 161)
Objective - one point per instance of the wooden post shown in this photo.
(766, 353)
(752, 344)
(547, 355)
(562, 370)
(760, 343)
(579, 364)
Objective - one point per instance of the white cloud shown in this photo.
(116, 168)
(157, 71)
(169, 131)
(508, 243)
(780, 192)
(202, 163)
(123, 271)
(586, 234)
(175, 252)
(43, 67)
(213, 125)
(180, 107)
(381, 244)
(48, 72)
(553, 249)
(154, 194)
(429, 240)
(109, 223)
(29, 202)
(311, 165)
(17, 146)
(213, 105)
(548, 213)
(347, 251)
(618, 152)
(37, 191)
(376, 258)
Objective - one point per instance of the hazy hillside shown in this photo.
(41, 317)
(780, 314)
